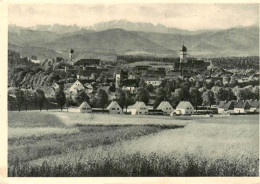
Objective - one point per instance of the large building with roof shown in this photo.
(114, 108)
(139, 108)
(165, 107)
(184, 108)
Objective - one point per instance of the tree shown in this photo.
(40, 98)
(218, 83)
(60, 97)
(26, 100)
(11, 102)
(244, 94)
(207, 98)
(121, 98)
(198, 84)
(185, 86)
(142, 84)
(19, 94)
(174, 100)
(102, 77)
(195, 97)
(233, 82)
(179, 93)
(93, 101)
(169, 87)
(255, 92)
(102, 99)
(161, 95)
(150, 88)
(129, 99)
(143, 95)
(81, 97)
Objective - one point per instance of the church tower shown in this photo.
(71, 54)
(183, 57)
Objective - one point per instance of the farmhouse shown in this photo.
(241, 107)
(165, 107)
(114, 108)
(226, 107)
(85, 108)
(77, 87)
(138, 108)
(184, 107)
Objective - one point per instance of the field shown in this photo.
(72, 144)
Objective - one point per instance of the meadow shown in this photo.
(72, 144)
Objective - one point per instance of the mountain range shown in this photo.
(108, 39)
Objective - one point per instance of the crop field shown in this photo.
(72, 144)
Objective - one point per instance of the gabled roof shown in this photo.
(164, 104)
(88, 86)
(242, 104)
(183, 105)
(253, 103)
(227, 105)
(105, 88)
(113, 104)
(137, 105)
(84, 104)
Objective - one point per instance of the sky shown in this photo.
(178, 15)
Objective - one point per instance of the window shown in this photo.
(140, 112)
(83, 108)
(113, 109)
(166, 108)
(117, 108)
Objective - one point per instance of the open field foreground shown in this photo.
(72, 144)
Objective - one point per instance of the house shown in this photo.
(89, 88)
(155, 81)
(184, 107)
(85, 108)
(226, 107)
(139, 108)
(77, 87)
(241, 107)
(165, 107)
(114, 108)
(254, 105)
(129, 85)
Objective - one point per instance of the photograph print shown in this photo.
(133, 90)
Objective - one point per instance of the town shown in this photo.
(135, 85)
(158, 89)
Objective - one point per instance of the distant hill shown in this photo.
(114, 40)
(238, 41)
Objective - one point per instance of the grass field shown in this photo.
(72, 144)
